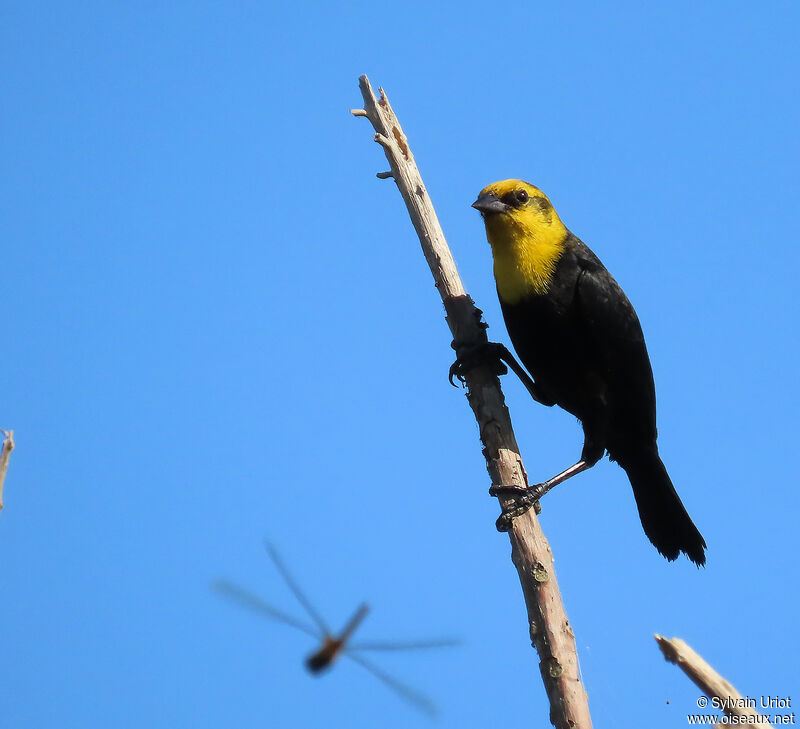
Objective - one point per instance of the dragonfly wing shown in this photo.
(421, 702)
(402, 646)
(295, 588)
(247, 599)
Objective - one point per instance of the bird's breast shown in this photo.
(524, 264)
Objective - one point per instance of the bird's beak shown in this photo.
(490, 204)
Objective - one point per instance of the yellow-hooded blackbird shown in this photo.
(576, 332)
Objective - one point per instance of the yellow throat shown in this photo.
(527, 240)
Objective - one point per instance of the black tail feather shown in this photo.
(664, 518)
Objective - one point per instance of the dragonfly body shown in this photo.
(332, 646)
(322, 659)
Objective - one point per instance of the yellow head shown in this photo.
(526, 235)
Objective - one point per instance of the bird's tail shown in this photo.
(664, 518)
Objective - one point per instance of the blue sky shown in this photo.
(218, 327)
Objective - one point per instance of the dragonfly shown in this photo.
(332, 645)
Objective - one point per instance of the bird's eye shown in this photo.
(522, 196)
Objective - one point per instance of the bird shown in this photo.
(580, 339)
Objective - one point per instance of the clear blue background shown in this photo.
(218, 326)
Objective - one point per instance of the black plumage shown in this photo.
(582, 342)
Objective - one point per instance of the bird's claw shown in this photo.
(455, 372)
(470, 357)
(525, 497)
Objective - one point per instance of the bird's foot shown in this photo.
(470, 357)
(524, 497)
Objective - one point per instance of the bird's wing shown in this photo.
(616, 344)
(606, 310)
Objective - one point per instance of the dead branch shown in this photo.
(8, 446)
(713, 685)
(550, 631)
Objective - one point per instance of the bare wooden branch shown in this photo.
(550, 631)
(8, 446)
(713, 685)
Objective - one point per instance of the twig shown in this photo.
(8, 446)
(550, 631)
(713, 685)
